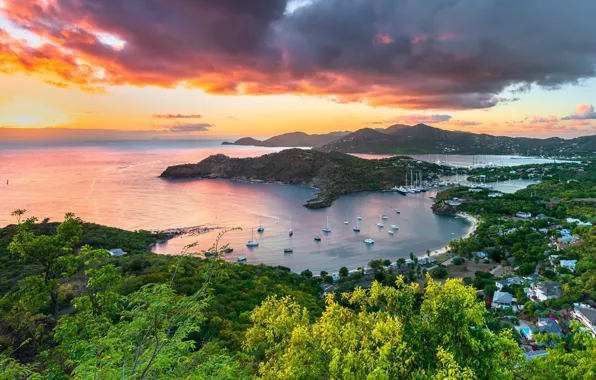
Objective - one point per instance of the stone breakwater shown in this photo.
(171, 233)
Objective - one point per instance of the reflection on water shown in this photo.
(118, 186)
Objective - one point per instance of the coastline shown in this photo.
(473, 225)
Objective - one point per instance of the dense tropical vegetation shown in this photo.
(70, 310)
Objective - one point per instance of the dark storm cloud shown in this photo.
(443, 54)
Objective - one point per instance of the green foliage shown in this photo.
(384, 334)
(344, 272)
(439, 272)
(526, 269)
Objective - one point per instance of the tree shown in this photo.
(405, 339)
(324, 274)
(376, 265)
(344, 272)
(412, 256)
(306, 273)
(386, 263)
(328, 279)
(401, 261)
(526, 269)
(439, 272)
(53, 253)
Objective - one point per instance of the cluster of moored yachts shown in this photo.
(254, 243)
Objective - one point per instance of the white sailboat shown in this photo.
(359, 218)
(390, 232)
(369, 241)
(380, 224)
(346, 219)
(394, 227)
(384, 216)
(261, 227)
(252, 242)
(291, 231)
(327, 229)
(357, 228)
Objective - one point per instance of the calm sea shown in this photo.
(117, 184)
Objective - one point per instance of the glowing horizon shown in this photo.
(266, 70)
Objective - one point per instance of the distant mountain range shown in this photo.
(423, 139)
(292, 139)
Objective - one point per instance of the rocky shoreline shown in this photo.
(334, 174)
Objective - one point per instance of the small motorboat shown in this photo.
(397, 210)
(369, 241)
(317, 238)
(210, 253)
(288, 250)
(241, 259)
(260, 229)
(390, 232)
(229, 250)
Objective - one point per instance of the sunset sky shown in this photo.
(227, 68)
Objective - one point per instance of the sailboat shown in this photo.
(291, 231)
(380, 224)
(359, 218)
(327, 229)
(390, 232)
(252, 242)
(346, 220)
(384, 216)
(369, 241)
(394, 227)
(397, 210)
(261, 227)
(357, 228)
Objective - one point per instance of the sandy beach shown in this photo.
(473, 225)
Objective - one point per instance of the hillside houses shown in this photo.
(586, 316)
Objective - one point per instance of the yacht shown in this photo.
(252, 242)
(327, 229)
(241, 259)
(369, 241)
(288, 250)
(317, 238)
(394, 227)
(357, 228)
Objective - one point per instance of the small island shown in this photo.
(334, 174)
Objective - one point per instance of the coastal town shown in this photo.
(529, 255)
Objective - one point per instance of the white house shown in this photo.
(117, 252)
(547, 290)
(523, 215)
(586, 315)
(535, 354)
(502, 300)
(495, 195)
